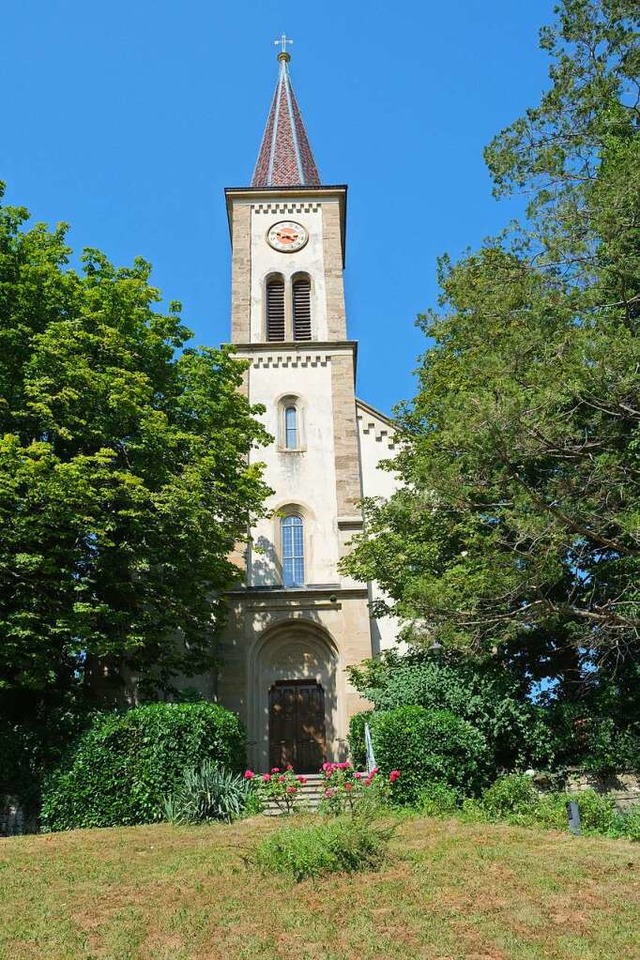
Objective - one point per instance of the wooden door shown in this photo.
(297, 733)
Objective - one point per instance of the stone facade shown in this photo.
(285, 638)
(298, 622)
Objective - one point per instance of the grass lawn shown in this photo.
(451, 891)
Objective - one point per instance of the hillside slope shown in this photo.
(452, 891)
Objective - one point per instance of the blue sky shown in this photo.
(127, 120)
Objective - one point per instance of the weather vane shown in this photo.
(283, 40)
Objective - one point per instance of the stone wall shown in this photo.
(623, 788)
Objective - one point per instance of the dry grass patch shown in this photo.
(452, 891)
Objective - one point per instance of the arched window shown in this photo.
(302, 308)
(275, 308)
(292, 550)
(291, 427)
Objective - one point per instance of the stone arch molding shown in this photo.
(294, 649)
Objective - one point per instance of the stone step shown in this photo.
(309, 796)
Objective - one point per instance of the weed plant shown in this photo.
(346, 844)
(514, 799)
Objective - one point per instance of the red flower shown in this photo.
(393, 776)
(302, 780)
(291, 789)
(249, 774)
(281, 779)
(348, 786)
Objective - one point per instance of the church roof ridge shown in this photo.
(285, 158)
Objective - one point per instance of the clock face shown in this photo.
(287, 236)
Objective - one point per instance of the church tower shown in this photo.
(296, 623)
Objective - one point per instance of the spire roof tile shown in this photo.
(285, 158)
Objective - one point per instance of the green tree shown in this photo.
(483, 694)
(517, 532)
(124, 479)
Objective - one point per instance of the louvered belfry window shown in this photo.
(275, 308)
(302, 308)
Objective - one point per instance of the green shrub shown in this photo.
(123, 767)
(483, 694)
(597, 812)
(357, 746)
(630, 824)
(427, 746)
(346, 844)
(436, 799)
(208, 792)
(513, 798)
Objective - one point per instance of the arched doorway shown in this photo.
(293, 715)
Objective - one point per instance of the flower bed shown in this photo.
(281, 787)
(346, 789)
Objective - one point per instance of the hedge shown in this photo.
(427, 746)
(122, 768)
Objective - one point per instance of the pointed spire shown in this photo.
(285, 158)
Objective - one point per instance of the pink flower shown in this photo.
(302, 780)
(249, 774)
(348, 786)
(291, 789)
(329, 793)
(281, 779)
(358, 776)
(266, 777)
(393, 776)
(289, 767)
(275, 769)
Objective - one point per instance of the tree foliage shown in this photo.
(517, 531)
(124, 481)
(483, 694)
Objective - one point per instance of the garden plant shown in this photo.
(280, 787)
(349, 791)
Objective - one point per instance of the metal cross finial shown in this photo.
(283, 41)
